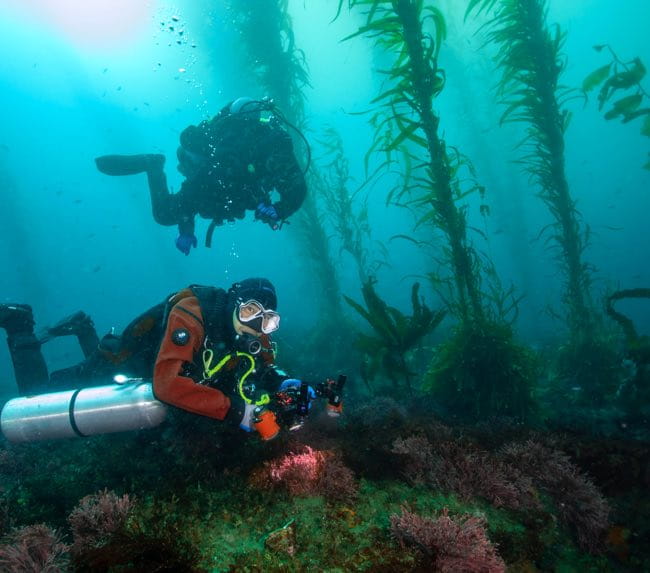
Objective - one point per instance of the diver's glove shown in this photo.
(268, 214)
(185, 241)
(247, 423)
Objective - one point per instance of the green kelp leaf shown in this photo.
(440, 27)
(376, 28)
(400, 325)
(410, 239)
(604, 94)
(624, 106)
(470, 7)
(638, 70)
(338, 11)
(356, 306)
(647, 163)
(371, 345)
(635, 114)
(595, 78)
(397, 91)
(438, 82)
(628, 78)
(429, 217)
(645, 128)
(486, 5)
(407, 132)
(376, 317)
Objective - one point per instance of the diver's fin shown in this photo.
(129, 164)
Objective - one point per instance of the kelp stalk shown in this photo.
(529, 56)
(397, 26)
(350, 220)
(267, 31)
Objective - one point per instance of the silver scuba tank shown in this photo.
(82, 412)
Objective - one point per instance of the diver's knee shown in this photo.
(165, 217)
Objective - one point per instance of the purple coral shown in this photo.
(454, 545)
(35, 548)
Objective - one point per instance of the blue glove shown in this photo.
(268, 214)
(185, 242)
(295, 383)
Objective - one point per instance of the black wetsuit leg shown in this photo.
(93, 371)
(29, 365)
(78, 324)
(88, 339)
(132, 353)
(165, 206)
(24, 347)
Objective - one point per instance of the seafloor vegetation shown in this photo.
(387, 488)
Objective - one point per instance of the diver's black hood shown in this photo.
(258, 289)
(218, 306)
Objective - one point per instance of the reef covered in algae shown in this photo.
(390, 488)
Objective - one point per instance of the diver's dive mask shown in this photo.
(254, 315)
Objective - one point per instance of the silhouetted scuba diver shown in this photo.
(232, 163)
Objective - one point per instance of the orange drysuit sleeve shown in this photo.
(168, 384)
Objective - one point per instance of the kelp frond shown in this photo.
(406, 131)
(626, 324)
(622, 80)
(530, 59)
(394, 334)
(267, 34)
(349, 216)
(315, 245)
(482, 371)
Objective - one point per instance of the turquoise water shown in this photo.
(81, 80)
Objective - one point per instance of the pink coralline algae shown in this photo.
(307, 473)
(453, 544)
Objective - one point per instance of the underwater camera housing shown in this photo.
(294, 403)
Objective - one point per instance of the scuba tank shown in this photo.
(82, 412)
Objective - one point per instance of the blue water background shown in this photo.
(75, 84)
